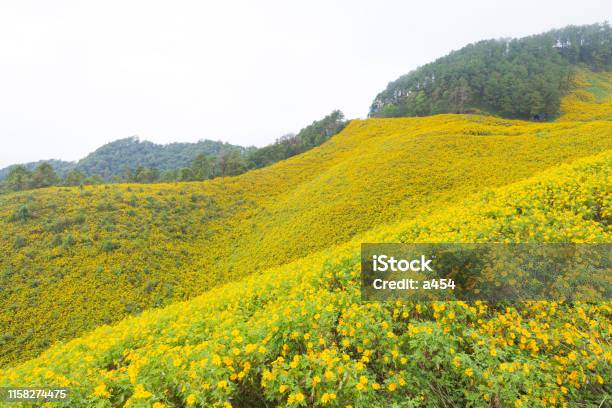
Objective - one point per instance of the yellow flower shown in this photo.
(457, 362)
(327, 397)
(469, 372)
(140, 392)
(191, 399)
(100, 391)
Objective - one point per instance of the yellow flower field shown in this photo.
(244, 291)
(591, 98)
(83, 257)
(306, 339)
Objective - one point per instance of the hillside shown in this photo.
(132, 160)
(306, 339)
(61, 167)
(591, 98)
(112, 159)
(514, 78)
(119, 249)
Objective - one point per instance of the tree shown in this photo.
(290, 144)
(74, 178)
(44, 176)
(202, 167)
(94, 180)
(460, 96)
(146, 175)
(186, 174)
(231, 163)
(18, 178)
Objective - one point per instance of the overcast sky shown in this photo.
(77, 74)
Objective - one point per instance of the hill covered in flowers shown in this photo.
(591, 98)
(299, 335)
(511, 77)
(75, 258)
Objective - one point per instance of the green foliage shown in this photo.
(517, 78)
(290, 145)
(74, 178)
(21, 214)
(202, 167)
(18, 178)
(109, 246)
(65, 222)
(114, 158)
(43, 176)
(19, 242)
(59, 166)
(130, 160)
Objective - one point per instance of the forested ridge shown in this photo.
(133, 160)
(515, 78)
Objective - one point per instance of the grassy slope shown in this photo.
(307, 339)
(117, 249)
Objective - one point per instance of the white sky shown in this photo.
(77, 74)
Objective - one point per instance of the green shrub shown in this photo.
(21, 214)
(19, 242)
(109, 246)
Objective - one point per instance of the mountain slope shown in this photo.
(591, 98)
(119, 249)
(306, 339)
(113, 158)
(515, 78)
(132, 160)
(61, 167)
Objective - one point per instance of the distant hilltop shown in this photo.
(522, 78)
(134, 160)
